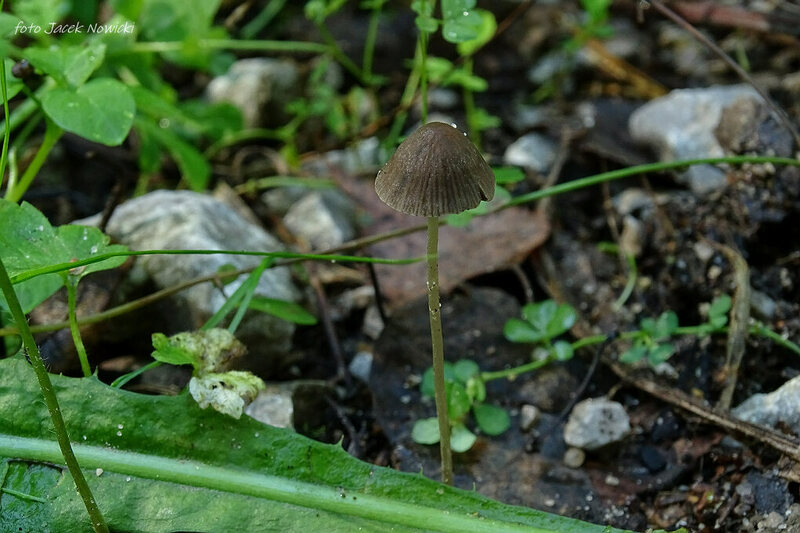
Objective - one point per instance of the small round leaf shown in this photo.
(101, 110)
(491, 419)
(461, 439)
(426, 431)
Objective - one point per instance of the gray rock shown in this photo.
(324, 219)
(780, 405)
(681, 125)
(373, 323)
(526, 117)
(532, 151)
(762, 305)
(574, 457)
(630, 200)
(273, 406)
(548, 67)
(361, 366)
(363, 157)
(280, 199)
(343, 305)
(292, 404)
(443, 98)
(595, 423)
(187, 220)
(528, 415)
(259, 87)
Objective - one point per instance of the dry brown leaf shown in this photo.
(487, 244)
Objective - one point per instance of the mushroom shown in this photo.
(436, 171)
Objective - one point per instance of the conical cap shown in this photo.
(435, 171)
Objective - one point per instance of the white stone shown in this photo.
(681, 126)
(780, 405)
(595, 423)
(533, 151)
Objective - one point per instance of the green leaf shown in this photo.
(563, 350)
(483, 120)
(666, 325)
(460, 24)
(101, 110)
(485, 32)
(491, 419)
(517, 330)
(208, 350)
(461, 439)
(466, 80)
(216, 120)
(28, 242)
(634, 354)
(540, 314)
(660, 353)
(13, 84)
(40, 13)
(319, 10)
(464, 369)
(458, 401)
(648, 325)
(172, 353)
(422, 8)
(426, 431)
(170, 466)
(8, 25)
(563, 319)
(476, 389)
(427, 387)
(82, 242)
(460, 220)
(438, 68)
(289, 311)
(193, 166)
(720, 307)
(718, 322)
(426, 24)
(507, 175)
(69, 65)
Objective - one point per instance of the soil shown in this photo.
(677, 468)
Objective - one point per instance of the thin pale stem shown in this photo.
(98, 522)
(72, 286)
(51, 135)
(437, 344)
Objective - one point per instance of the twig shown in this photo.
(527, 289)
(327, 324)
(586, 379)
(379, 303)
(739, 324)
(354, 448)
(776, 440)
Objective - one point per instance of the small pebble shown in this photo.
(574, 457)
(528, 415)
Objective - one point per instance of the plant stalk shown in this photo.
(98, 522)
(72, 304)
(52, 134)
(437, 344)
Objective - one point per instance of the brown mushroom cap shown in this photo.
(435, 171)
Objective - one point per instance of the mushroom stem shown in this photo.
(434, 312)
